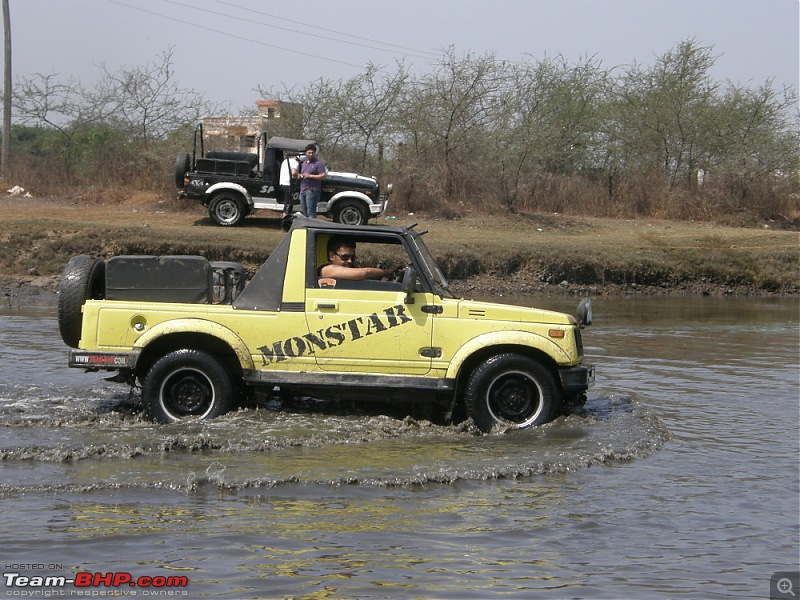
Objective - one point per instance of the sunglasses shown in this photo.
(346, 257)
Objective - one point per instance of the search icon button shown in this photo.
(784, 584)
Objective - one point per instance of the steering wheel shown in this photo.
(400, 273)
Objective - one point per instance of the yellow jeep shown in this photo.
(198, 338)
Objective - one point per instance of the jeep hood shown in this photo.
(489, 311)
(350, 179)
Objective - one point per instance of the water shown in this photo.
(679, 479)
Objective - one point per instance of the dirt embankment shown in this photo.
(527, 254)
(36, 290)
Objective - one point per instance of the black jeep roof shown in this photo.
(294, 145)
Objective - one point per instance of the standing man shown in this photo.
(312, 172)
(290, 169)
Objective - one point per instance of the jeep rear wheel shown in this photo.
(511, 390)
(83, 279)
(187, 383)
(227, 209)
(350, 212)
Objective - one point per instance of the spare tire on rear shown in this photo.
(182, 166)
(84, 278)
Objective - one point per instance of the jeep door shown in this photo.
(369, 327)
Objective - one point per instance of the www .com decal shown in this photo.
(335, 335)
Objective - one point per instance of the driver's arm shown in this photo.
(355, 273)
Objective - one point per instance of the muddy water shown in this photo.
(678, 479)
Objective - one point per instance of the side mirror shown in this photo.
(409, 284)
(585, 312)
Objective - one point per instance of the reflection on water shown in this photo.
(678, 479)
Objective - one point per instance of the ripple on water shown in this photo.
(47, 446)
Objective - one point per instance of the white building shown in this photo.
(241, 133)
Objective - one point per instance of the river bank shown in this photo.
(38, 290)
(482, 255)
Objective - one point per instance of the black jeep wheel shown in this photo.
(187, 383)
(227, 209)
(350, 212)
(511, 390)
(83, 279)
(182, 166)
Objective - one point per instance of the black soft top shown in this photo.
(265, 290)
(291, 144)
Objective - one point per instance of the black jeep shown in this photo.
(234, 184)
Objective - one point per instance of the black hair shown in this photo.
(338, 241)
(311, 147)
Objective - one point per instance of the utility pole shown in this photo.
(4, 161)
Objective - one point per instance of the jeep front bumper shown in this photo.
(376, 209)
(576, 379)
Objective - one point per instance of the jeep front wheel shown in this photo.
(511, 390)
(187, 383)
(227, 209)
(350, 212)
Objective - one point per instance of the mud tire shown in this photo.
(182, 166)
(187, 384)
(227, 209)
(350, 212)
(84, 278)
(511, 390)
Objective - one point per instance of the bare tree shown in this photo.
(752, 146)
(148, 102)
(67, 107)
(452, 108)
(664, 108)
(369, 105)
(352, 119)
(123, 129)
(550, 118)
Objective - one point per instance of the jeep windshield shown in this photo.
(432, 270)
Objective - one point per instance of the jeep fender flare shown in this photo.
(346, 195)
(198, 326)
(227, 185)
(504, 338)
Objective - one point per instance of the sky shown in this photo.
(225, 49)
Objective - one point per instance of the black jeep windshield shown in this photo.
(432, 270)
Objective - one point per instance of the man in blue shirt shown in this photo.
(312, 172)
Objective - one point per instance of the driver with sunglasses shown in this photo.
(342, 260)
